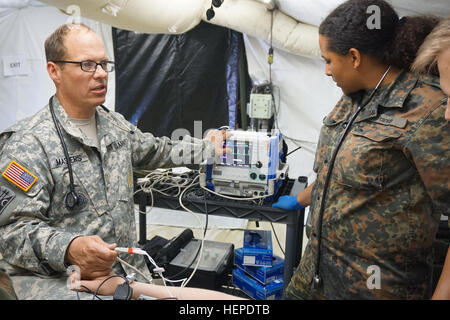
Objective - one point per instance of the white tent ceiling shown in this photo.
(292, 18)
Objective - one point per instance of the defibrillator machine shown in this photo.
(253, 167)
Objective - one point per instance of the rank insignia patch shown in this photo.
(19, 176)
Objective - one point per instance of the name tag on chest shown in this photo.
(116, 145)
(59, 162)
(391, 121)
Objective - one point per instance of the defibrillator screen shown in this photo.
(238, 155)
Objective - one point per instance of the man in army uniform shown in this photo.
(69, 200)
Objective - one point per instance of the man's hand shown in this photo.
(92, 255)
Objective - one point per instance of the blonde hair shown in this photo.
(436, 42)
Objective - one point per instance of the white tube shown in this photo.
(148, 16)
(251, 17)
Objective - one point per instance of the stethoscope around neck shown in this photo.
(317, 279)
(72, 198)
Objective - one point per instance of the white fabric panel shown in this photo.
(24, 31)
(417, 7)
(308, 11)
(314, 11)
(252, 18)
(8, 4)
(303, 93)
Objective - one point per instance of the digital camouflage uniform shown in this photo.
(36, 227)
(389, 186)
(6, 288)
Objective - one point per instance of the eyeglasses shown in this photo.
(91, 66)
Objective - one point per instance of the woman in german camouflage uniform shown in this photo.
(378, 199)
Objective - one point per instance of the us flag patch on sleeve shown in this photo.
(19, 176)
